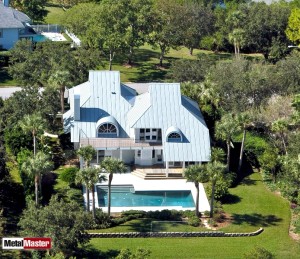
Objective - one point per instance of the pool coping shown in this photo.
(155, 185)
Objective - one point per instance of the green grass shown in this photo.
(54, 15)
(252, 206)
(5, 78)
(144, 225)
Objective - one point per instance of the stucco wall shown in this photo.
(10, 37)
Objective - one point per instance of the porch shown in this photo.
(157, 172)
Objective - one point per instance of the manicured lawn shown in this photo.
(252, 206)
(54, 15)
(144, 225)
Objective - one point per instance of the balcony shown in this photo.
(117, 143)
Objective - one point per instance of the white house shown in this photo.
(14, 25)
(158, 127)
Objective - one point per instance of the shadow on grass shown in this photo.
(12, 202)
(4, 76)
(90, 252)
(256, 219)
(248, 181)
(141, 225)
(231, 199)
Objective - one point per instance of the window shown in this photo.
(142, 130)
(1, 33)
(147, 137)
(154, 130)
(139, 153)
(153, 137)
(153, 153)
(107, 130)
(174, 137)
(147, 130)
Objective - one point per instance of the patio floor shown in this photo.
(155, 185)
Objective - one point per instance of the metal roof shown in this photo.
(11, 18)
(161, 107)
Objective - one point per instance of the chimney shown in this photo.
(6, 3)
(77, 107)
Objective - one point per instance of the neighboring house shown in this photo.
(14, 25)
(159, 127)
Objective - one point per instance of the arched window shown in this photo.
(107, 128)
(173, 134)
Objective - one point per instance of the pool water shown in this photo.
(39, 38)
(126, 196)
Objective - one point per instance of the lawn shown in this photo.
(252, 206)
(54, 15)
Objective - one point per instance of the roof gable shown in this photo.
(11, 18)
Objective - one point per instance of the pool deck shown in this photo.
(155, 185)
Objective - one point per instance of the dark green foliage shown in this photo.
(16, 139)
(102, 220)
(194, 221)
(52, 147)
(68, 175)
(64, 222)
(140, 253)
(259, 253)
(191, 70)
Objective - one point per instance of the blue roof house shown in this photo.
(159, 127)
(14, 25)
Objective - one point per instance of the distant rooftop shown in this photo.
(11, 18)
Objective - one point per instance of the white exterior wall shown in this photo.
(9, 38)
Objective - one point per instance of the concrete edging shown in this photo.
(174, 234)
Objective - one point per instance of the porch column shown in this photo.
(167, 168)
(183, 167)
(121, 154)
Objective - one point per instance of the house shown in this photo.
(14, 25)
(159, 127)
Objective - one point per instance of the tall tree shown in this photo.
(167, 32)
(59, 80)
(91, 176)
(265, 26)
(243, 119)
(215, 172)
(36, 167)
(111, 166)
(197, 174)
(293, 29)
(83, 178)
(34, 124)
(35, 9)
(226, 128)
(198, 23)
(65, 223)
(87, 153)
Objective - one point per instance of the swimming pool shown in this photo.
(39, 38)
(126, 196)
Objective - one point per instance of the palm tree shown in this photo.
(197, 174)
(82, 177)
(87, 153)
(37, 166)
(217, 155)
(32, 123)
(111, 166)
(225, 129)
(215, 172)
(94, 177)
(243, 120)
(59, 80)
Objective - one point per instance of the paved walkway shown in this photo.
(8, 91)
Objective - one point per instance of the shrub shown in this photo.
(102, 219)
(68, 175)
(194, 221)
(259, 253)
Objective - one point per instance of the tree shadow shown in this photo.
(90, 252)
(256, 219)
(248, 181)
(141, 225)
(231, 199)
